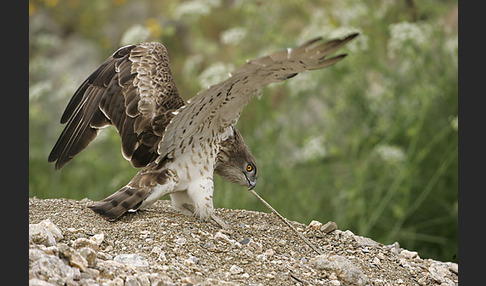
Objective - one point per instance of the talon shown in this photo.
(216, 219)
(188, 207)
(220, 222)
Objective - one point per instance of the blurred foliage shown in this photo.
(370, 143)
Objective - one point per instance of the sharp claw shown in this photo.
(219, 221)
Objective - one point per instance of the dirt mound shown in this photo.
(70, 244)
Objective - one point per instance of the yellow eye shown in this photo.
(249, 168)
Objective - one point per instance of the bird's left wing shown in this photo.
(213, 110)
(132, 90)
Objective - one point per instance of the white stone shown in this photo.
(234, 269)
(334, 283)
(55, 231)
(409, 254)
(131, 259)
(40, 235)
(315, 225)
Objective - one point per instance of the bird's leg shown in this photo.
(216, 219)
(188, 207)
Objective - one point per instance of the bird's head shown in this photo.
(235, 162)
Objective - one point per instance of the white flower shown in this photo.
(390, 153)
(196, 7)
(134, 35)
(379, 92)
(313, 149)
(192, 64)
(233, 35)
(348, 12)
(454, 122)
(39, 89)
(405, 33)
(215, 73)
(47, 41)
(451, 46)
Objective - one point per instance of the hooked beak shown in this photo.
(250, 184)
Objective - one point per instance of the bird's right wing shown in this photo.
(210, 112)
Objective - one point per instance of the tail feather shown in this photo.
(141, 191)
(114, 206)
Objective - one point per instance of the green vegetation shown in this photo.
(370, 143)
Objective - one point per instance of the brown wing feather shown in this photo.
(131, 90)
(220, 106)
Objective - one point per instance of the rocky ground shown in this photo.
(71, 245)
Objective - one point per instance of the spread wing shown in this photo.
(132, 90)
(212, 110)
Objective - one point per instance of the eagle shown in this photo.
(178, 145)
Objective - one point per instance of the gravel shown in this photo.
(71, 245)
